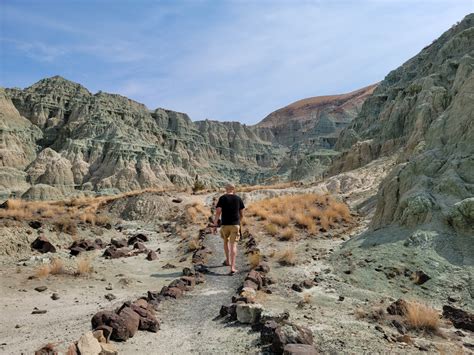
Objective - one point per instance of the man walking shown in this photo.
(230, 207)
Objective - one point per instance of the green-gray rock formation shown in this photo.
(423, 114)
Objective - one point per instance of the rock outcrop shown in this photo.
(421, 115)
(310, 128)
(109, 143)
(422, 111)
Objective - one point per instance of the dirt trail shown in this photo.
(188, 325)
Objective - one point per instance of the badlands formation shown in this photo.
(358, 235)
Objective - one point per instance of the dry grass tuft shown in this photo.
(56, 267)
(271, 229)
(83, 267)
(287, 257)
(42, 271)
(193, 244)
(421, 316)
(254, 259)
(287, 234)
(305, 211)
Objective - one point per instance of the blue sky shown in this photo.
(225, 60)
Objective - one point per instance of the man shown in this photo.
(230, 207)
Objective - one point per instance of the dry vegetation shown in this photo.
(287, 257)
(420, 316)
(83, 267)
(197, 213)
(254, 259)
(309, 212)
(65, 214)
(282, 185)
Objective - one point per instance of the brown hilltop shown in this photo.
(306, 108)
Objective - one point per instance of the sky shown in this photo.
(227, 60)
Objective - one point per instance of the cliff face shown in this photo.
(310, 128)
(108, 142)
(424, 113)
(315, 120)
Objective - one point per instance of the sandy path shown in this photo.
(188, 325)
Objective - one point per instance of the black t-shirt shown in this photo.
(231, 206)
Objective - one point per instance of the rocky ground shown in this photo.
(314, 292)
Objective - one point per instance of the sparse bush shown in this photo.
(193, 244)
(271, 229)
(42, 271)
(421, 316)
(66, 225)
(280, 220)
(254, 259)
(287, 234)
(84, 267)
(287, 257)
(56, 267)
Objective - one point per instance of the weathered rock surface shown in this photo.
(109, 143)
(422, 111)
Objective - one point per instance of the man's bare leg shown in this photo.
(226, 251)
(233, 254)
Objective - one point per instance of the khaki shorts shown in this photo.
(230, 232)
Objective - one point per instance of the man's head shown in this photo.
(229, 188)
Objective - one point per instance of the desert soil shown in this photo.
(190, 324)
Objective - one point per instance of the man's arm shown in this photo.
(241, 213)
(216, 219)
(218, 214)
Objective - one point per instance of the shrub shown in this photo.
(281, 220)
(421, 316)
(254, 259)
(287, 257)
(193, 244)
(56, 267)
(84, 266)
(42, 271)
(287, 234)
(271, 229)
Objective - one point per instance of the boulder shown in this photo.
(119, 243)
(255, 277)
(140, 247)
(289, 333)
(43, 245)
(113, 253)
(397, 308)
(248, 313)
(137, 238)
(173, 292)
(151, 256)
(88, 345)
(460, 318)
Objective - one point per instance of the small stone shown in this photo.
(151, 256)
(110, 297)
(99, 335)
(248, 313)
(169, 266)
(41, 288)
(297, 288)
(108, 349)
(341, 298)
(55, 296)
(405, 339)
(38, 311)
(108, 287)
(87, 344)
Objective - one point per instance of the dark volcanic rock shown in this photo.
(397, 308)
(460, 318)
(151, 255)
(43, 245)
(137, 238)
